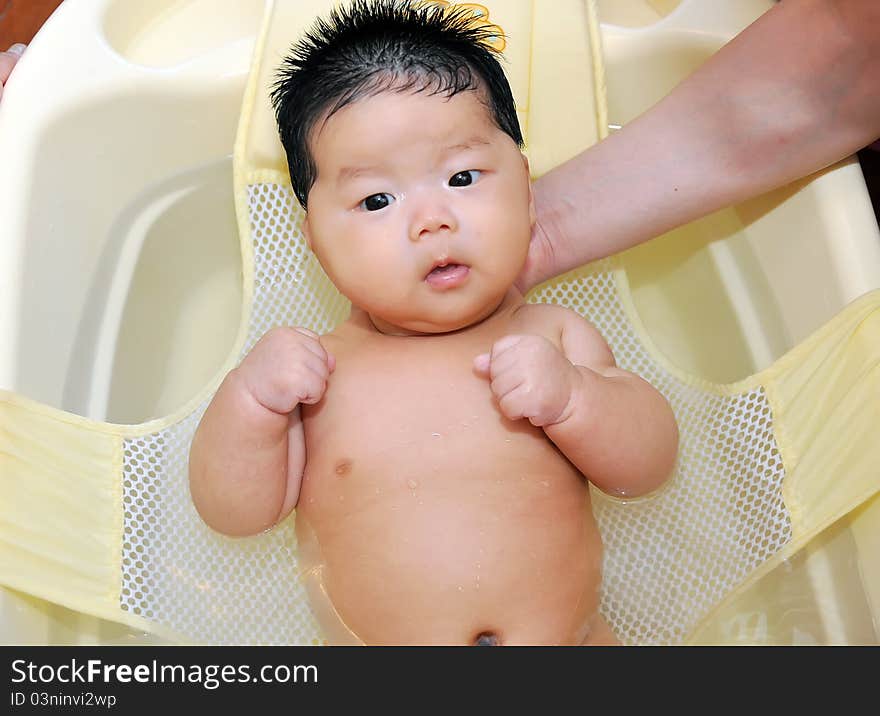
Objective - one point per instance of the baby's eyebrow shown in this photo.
(346, 174)
(470, 143)
(349, 173)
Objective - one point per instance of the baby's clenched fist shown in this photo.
(530, 377)
(286, 367)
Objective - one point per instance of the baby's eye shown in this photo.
(464, 178)
(374, 202)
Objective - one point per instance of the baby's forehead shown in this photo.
(404, 95)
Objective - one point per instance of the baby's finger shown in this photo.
(312, 390)
(316, 365)
(504, 361)
(306, 332)
(312, 383)
(505, 384)
(312, 342)
(503, 345)
(511, 406)
(316, 347)
(482, 363)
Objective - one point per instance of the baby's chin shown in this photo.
(432, 325)
(419, 327)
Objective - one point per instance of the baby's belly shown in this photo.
(431, 544)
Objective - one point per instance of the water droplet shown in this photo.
(435, 435)
(342, 498)
(412, 484)
(545, 483)
(311, 500)
(460, 588)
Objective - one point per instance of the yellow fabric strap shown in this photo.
(60, 506)
(824, 398)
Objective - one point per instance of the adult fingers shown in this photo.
(8, 60)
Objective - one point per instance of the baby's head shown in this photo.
(404, 148)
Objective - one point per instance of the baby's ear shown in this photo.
(533, 215)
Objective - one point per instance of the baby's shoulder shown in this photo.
(579, 339)
(547, 316)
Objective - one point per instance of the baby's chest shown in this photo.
(412, 422)
(379, 399)
(406, 407)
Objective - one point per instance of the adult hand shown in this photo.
(7, 62)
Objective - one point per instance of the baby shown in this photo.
(435, 445)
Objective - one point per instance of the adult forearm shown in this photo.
(796, 91)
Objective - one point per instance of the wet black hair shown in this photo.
(372, 46)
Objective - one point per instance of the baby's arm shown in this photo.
(616, 428)
(248, 454)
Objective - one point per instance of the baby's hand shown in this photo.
(530, 377)
(286, 367)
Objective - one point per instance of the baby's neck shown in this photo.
(512, 300)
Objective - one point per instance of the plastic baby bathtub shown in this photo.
(116, 133)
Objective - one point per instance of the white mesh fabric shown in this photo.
(668, 558)
(182, 575)
(290, 287)
(671, 557)
(178, 572)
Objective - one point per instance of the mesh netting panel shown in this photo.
(668, 558)
(178, 572)
(672, 556)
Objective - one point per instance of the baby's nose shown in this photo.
(430, 220)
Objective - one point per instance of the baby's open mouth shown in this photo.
(447, 275)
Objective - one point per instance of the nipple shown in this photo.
(486, 638)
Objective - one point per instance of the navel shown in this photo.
(343, 467)
(486, 638)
